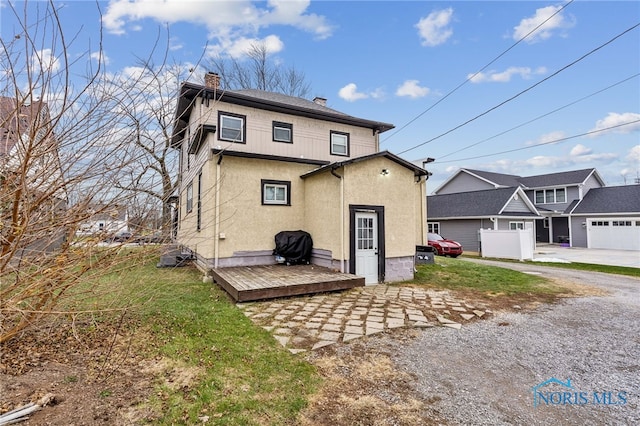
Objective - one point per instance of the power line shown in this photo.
(540, 116)
(471, 77)
(523, 91)
(559, 140)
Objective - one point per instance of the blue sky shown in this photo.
(411, 64)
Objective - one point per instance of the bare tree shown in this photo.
(63, 143)
(258, 71)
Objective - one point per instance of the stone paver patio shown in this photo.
(312, 322)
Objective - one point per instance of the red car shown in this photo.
(443, 246)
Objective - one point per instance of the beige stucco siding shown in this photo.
(311, 137)
(398, 192)
(322, 213)
(247, 224)
(363, 184)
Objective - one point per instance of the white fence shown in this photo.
(518, 244)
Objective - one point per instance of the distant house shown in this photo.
(32, 194)
(103, 219)
(254, 163)
(554, 205)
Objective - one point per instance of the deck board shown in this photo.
(246, 283)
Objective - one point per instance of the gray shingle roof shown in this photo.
(610, 199)
(554, 179)
(469, 204)
(499, 178)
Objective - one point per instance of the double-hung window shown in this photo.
(282, 132)
(232, 127)
(190, 198)
(340, 143)
(276, 192)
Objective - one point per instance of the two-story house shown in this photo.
(254, 163)
(32, 194)
(560, 207)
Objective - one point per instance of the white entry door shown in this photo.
(367, 246)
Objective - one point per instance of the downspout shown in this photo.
(217, 214)
(342, 244)
(495, 223)
(423, 208)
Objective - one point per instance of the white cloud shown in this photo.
(434, 29)
(548, 29)
(505, 76)
(43, 61)
(350, 93)
(100, 56)
(548, 138)
(614, 119)
(579, 150)
(236, 48)
(634, 155)
(223, 19)
(412, 89)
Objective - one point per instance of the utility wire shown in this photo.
(542, 144)
(471, 77)
(523, 91)
(540, 116)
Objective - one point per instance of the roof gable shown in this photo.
(418, 171)
(573, 177)
(490, 202)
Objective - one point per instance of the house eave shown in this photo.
(189, 92)
(227, 153)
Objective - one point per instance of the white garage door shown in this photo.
(614, 233)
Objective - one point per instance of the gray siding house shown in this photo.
(460, 216)
(563, 208)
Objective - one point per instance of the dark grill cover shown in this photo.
(294, 246)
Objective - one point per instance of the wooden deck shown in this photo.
(246, 283)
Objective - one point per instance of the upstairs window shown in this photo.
(232, 127)
(276, 192)
(551, 196)
(340, 143)
(282, 132)
(190, 198)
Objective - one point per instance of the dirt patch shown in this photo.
(96, 374)
(363, 387)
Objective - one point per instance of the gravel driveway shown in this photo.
(484, 374)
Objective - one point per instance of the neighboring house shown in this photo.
(32, 194)
(254, 163)
(104, 219)
(553, 197)
(460, 216)
(607, 217)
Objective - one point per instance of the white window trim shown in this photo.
(276, 184)
(242, 119)
(283, 126)
(346, 144)
(555, 196)
(515, 226)
(433, 227)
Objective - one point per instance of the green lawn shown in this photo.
(243, 375)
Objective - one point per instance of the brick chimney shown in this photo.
(320, 101)
(212, 80)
